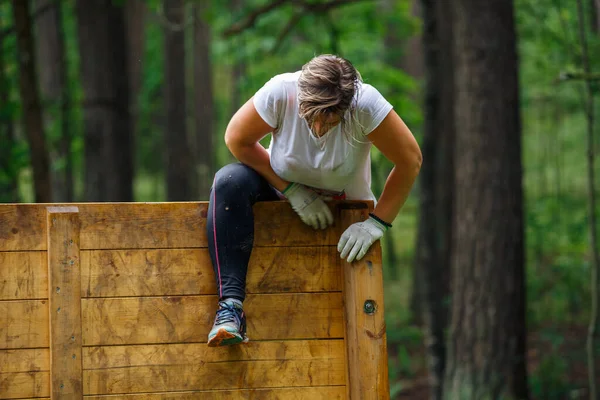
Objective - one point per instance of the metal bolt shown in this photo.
(370, 307)
(57, 289)
(62, 386)
(72, 262)
(58, 310)
(73, 338)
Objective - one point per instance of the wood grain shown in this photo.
(186, 319)
(127, 369)
(24, 373)
(278, 225)
(154, 225)
(23, 323)
(171, 272)
(23, 275)
(365, 329)
(147, 300)
(104, 357)
(24, 360)
(64, 290)
(22, 227)
(220, 375)
(18, 385)
(297, 393)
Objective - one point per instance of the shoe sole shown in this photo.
(225, 338)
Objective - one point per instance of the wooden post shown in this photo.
(364, 316)
(64, 292)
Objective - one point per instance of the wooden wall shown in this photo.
(108, 299)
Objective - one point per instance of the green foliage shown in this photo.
(152, 114)
(14, 152)
(548, 381)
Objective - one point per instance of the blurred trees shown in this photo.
(436, 185)
(32, 109)
(203, 101)
(52, 71)
(178, 159)
(9, 167)
(108, 150)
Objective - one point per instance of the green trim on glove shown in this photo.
(288, 187)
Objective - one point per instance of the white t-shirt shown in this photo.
(332, 162)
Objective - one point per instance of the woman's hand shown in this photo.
(309, 206)
(358, 238)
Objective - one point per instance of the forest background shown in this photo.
(128, 101)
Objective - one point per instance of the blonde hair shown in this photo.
(328, 84)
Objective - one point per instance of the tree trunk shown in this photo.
(432, 254)
(178, 154)
(392, 39)
(487, 336)
(411, 61)
(32, 110)
(204, 107)
(595, 16)
(239, 65)
(8, 169)
(444, 184)
(55, 95)
(591, 188)
(105, 80)
(135, 21)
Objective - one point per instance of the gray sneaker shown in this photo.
(229, 327)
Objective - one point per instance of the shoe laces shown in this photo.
(227, 313)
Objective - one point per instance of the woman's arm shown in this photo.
(244, 131)
(393, 138)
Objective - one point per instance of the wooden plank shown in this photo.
(23, 275)
(23, 323)
(22, 227)
(364, 317)
(276, 224)
(109, 225)
(189, 318)
(294, 269)
(125, 369)
(18, 385)
(113, 273)
(24, 360)
(64, 290)
(104, 357)
(298, 393)
(24, 373)
(219, 375)
(153, 226)
(143, 225)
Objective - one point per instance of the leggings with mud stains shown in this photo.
(230, 225)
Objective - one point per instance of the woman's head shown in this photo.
(326, 89)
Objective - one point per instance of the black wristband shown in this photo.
(376, 218)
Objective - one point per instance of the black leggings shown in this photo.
(230, 225)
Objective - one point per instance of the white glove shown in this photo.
(309, 206)
(357, 239)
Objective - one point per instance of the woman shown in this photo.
(323, 121)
